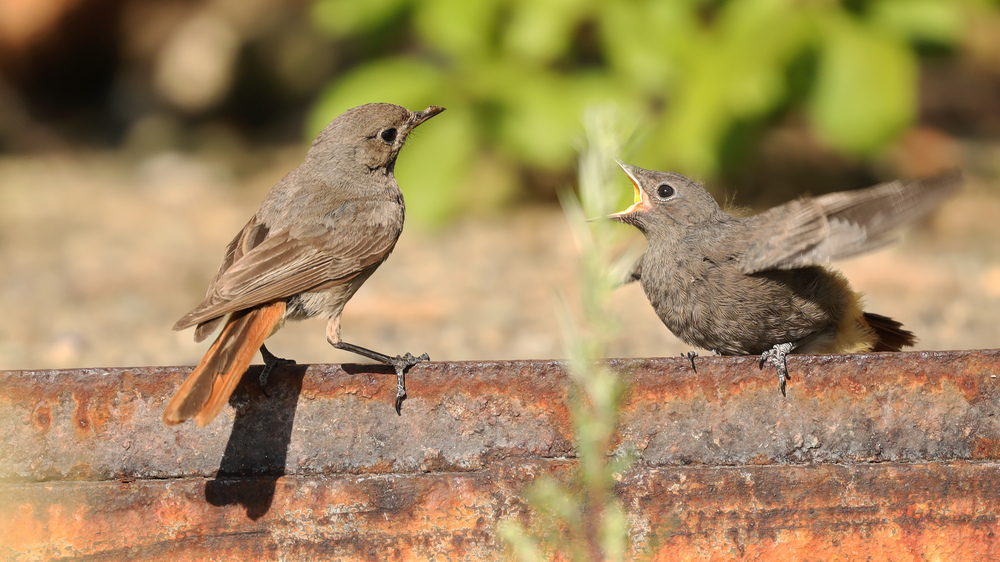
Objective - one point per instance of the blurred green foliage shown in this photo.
(516, 76)
(583, 519)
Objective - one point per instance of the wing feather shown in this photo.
(281, 264)
(838, 225)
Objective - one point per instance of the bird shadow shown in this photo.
(255, 455)
(367, 369)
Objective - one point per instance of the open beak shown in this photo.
(639, 204)
(421, 116)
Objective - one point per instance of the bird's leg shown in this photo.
(776, 357)
(270, 362)
(400, 363)
(691, 355)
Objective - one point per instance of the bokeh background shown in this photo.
(137, 136)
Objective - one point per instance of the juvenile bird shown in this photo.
(755, 285)
(318, 235)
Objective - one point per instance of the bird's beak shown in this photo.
(639, 204)
(421, 116)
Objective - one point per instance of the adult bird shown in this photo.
(318, 235)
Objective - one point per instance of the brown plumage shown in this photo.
(318, 235)
(208, 388)
(756, 285)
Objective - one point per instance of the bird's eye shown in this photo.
(664, 191)
(388, 135)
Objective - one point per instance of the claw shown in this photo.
(776, 357)
(400, 389)
(401, 363)
(270, 362)
(691, 355)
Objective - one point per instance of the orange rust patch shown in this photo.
(41, 418)
(760, 460)
(969, 387)
(985, 448)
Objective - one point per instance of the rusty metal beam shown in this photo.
(938, 511)
(99, 424)
(876, 451)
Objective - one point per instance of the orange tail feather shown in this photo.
(209, 386)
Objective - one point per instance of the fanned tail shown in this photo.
(209, 386)
(891, 335)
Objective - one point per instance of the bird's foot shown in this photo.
(776, 357)
(402, 363)
(270, 362)
(690, 356)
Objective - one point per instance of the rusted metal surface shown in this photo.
(907, 407)
(937, 511)
(385, 517)
(868, 453)
(101, 424)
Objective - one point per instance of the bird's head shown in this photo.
(666, 200)
(369, 135)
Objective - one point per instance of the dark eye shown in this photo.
(664, 191)
(388, 135)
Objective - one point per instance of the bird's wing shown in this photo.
(816, 230)
(283, 263)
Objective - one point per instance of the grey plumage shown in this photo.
(739, 286)
(811, 231)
